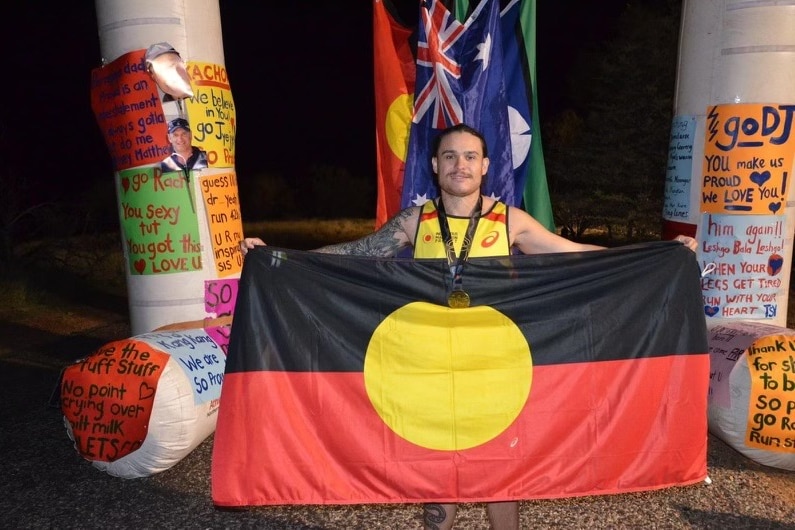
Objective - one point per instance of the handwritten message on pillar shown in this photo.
(226, 224)
(212, 111)
(771, 410)
(159, 223)
(678, 171)
(126, 104)
(747, 251)
(198, 355)
(748, 154)
(726, 346)
(219, 301)
(108, 398)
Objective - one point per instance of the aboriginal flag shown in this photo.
(394, 89)
(349, 380)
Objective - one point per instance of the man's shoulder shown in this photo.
(411, 210)
(406, 219)
(169, 164)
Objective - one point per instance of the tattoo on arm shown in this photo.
(386, 242)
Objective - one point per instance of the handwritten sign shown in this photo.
(211, 110)
(678, 172)
(161, 231)
(226, 224)
(771, 408)
(748, 154)
(126, 104)
(108, 398)
(747, 251)
(220, 297)
(199, 357)
(219, 301)
(727, 344)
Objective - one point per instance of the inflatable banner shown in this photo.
(163, 101)
(752, 391)
(137, 406)
(730, 163)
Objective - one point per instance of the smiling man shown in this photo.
(460, 163)
(184, 155)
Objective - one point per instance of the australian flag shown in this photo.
(459, 80)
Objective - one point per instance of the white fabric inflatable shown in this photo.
(751, 401)
(137, 406)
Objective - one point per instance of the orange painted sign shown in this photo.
(771, 410)
(108, 398)
(222, 204)
(129, 112)
(748, 155)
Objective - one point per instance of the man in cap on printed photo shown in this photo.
(184, 155)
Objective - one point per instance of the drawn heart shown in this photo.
(145, 391)
(760, 178)
(125, 183)
(774, 264)
(711, 310)
(140, 265)
(774, 206)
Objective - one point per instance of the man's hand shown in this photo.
(249, 243)
(687, 241)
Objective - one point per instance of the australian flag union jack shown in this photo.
(459, 80)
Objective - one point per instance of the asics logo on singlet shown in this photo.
(491, 238)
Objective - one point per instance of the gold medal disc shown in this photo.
(458, 300)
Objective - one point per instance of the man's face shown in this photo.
(180, 138)
(460, 164)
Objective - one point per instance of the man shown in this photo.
(460, 161)
(184, 156)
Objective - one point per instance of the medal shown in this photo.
(458, 300)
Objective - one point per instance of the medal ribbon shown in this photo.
(456, 263)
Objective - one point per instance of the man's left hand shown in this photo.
(687, 241)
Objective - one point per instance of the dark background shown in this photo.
(301, 77)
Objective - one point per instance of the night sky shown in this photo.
(301, 78)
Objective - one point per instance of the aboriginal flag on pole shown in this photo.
(394, 93)
(348, 380)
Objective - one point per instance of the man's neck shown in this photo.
(459, 206)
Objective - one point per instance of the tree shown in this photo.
(607, 155)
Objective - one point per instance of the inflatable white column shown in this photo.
(729, 177)
(163, 72)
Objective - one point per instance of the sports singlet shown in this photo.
(491, 236)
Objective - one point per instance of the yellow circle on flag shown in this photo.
(398, 124)
(447, 379)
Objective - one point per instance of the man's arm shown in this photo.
(531, 237)
(395, 234)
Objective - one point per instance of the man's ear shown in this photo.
(485, 165)
(435, 164)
